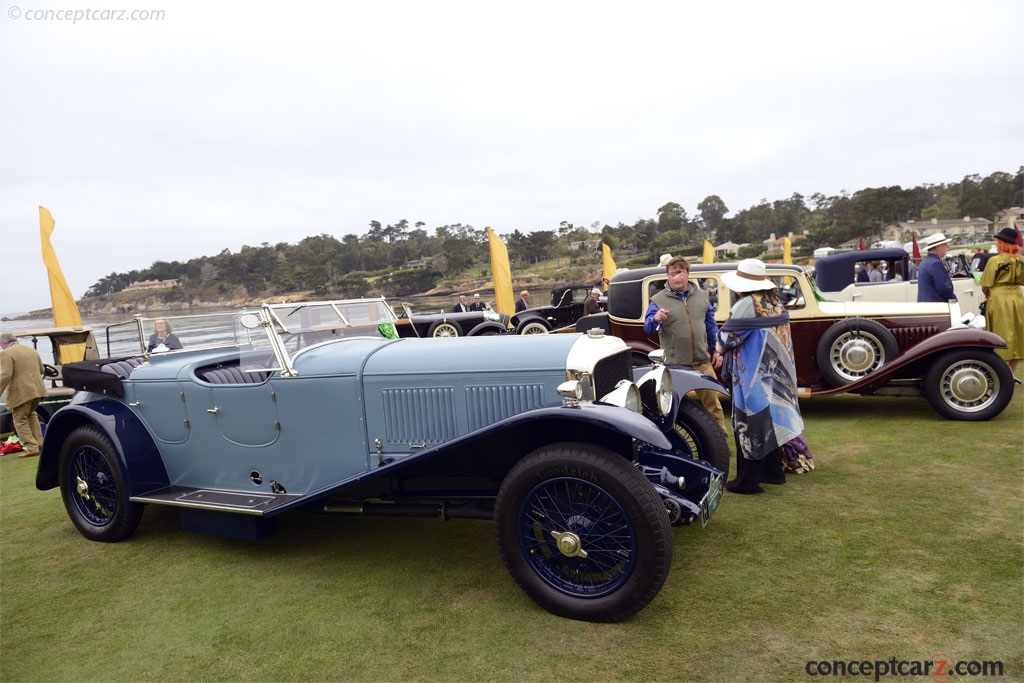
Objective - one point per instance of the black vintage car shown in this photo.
(565, 309)
(448, 324)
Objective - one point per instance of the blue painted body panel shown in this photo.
(318, 430)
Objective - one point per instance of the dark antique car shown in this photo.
(565, 309)
(322, 409)
(876, 348)
(448, 324)
(58, 344)
(834, 276)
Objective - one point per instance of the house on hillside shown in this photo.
(419, 264)
(152, 284)
(772, 244)
(1009, 218)
(967, 229)
(729, 248)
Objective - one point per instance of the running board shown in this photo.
(258, 504)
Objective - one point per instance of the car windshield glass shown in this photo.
(168, 334)
(330, 315)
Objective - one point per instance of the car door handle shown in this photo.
(135, 404)
(213, 411)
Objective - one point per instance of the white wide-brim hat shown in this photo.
(932, 241)
(748, 277)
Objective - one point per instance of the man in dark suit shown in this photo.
(462, 306)
(523, 302)
(477, 304)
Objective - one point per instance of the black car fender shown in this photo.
(139, 456)
(487, 327)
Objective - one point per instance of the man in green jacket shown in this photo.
(21, 376)
(682, 317)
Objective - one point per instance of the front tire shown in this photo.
(853, 348)
(697, 432)
(583, 533)
(443, 329)
(92, 485)
(970, 385)
(532, 326)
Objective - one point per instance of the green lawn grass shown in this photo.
(906, 542)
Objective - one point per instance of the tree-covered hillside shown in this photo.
(380, 261)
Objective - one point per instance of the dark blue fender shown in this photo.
(140, 458)
(473, 466)
(684, 381)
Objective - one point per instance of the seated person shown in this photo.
(162, 338)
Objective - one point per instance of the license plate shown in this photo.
(709, 503)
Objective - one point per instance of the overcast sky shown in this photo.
(222, 124)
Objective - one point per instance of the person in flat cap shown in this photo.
(757, 347)
(21, 376)
(933, 281)
(1004, 307)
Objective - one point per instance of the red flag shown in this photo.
(862, 244)
(917, 251)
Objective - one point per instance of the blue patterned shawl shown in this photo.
(759, 365)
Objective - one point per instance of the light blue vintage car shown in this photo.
(322, 407)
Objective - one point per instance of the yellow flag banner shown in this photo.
(65, 310)
(607, 264)
(504, 300)
(709, 253)
(787, 248)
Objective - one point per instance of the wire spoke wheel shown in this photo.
(93, 487)
(968, 384)
(577, 537)
(583, 532)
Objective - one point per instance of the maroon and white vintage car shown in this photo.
(872, 348)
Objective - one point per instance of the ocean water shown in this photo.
(117, 335)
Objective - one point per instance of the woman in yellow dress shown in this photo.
(1001, 284)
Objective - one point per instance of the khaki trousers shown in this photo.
(26, 424)
(709, 398)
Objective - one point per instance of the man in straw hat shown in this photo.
(933, 281)
(758, 363)
(682, 317)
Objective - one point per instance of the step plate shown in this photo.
(212, 499)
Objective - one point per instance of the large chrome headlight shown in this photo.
(625, 395)
(656, 390)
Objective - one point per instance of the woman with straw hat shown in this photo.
(757, 347)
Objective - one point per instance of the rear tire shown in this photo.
(583, 532)
(853, 348)
(93, 487)
(971, 385)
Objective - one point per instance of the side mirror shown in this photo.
(249, 321)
